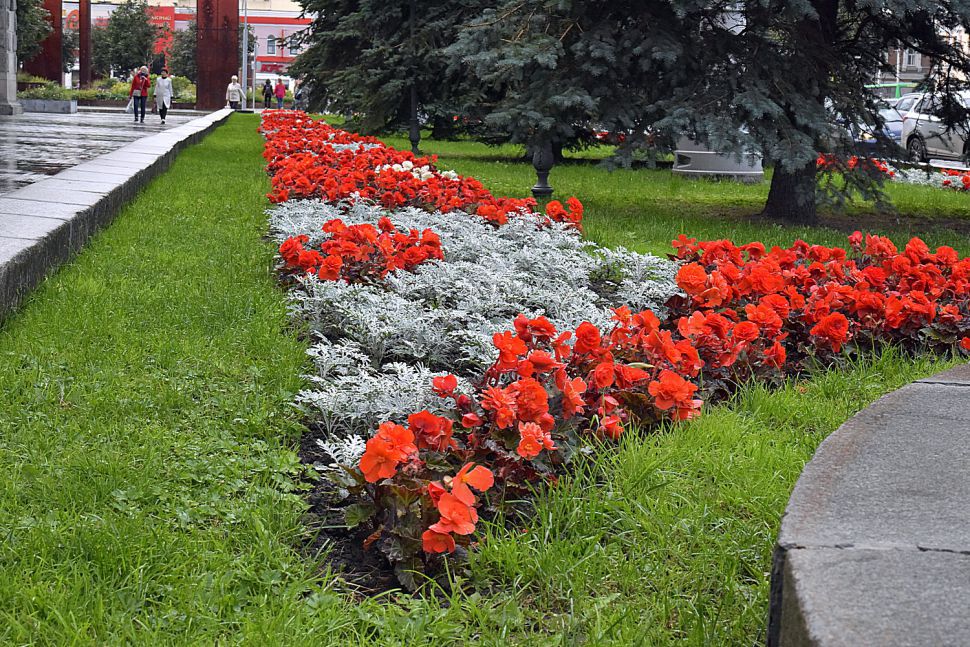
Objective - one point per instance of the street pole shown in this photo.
(414, 132)
(255, 56)
(245, 55)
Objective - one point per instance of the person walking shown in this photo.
(138, 93)
(267, 94)
(280, 92)
(163, 94)
(234, 93)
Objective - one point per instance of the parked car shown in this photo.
(925, 135)
(894, 124)
(905, 103)
(864, 134)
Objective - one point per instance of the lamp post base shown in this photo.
(542, 162)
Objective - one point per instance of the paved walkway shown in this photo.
(36, 145)
(47, 221)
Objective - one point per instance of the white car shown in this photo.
(925, 136)
(905, 103)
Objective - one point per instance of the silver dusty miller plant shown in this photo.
(381, 345)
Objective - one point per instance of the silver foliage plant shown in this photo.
(381, 345)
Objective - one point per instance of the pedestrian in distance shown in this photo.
(138, 93)
(234, 93)
(280, 92)
(267, 94)
(163, 94)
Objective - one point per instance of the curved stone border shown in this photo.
(44, 224)
(874, 547)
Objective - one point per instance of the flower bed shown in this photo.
(467, 346)
(952, 179)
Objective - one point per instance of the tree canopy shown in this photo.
(361, 58)
(127, 41)
(33, 26)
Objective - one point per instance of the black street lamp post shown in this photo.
(542, 161)
(414, 132)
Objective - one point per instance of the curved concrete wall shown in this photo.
(874, 547)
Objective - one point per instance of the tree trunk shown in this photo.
(442, 128)
(791, 197)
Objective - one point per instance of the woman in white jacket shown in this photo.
(163, 94)
(234, 93)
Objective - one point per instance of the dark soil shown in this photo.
(365, 572)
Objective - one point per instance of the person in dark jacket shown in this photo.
(138, 93)
(267, 94)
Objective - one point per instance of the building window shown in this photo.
(271, 45)
(911, 59)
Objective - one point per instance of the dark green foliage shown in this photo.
(126, 42)
(32, 28)
(69, 46)
(360, 58)
(762, 75)
(100, 51)
(181, 54)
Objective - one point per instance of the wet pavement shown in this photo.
(36, 145)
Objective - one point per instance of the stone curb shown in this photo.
(44, 224)
(874, 546)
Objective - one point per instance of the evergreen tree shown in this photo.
(360, 57)
(33, 26)
(558, 70)
(763, 75)
(779, 73)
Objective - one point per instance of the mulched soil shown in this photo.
(364, 572)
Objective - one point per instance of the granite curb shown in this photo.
(874, 546)
(44, 224)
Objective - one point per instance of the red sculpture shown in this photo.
(217, 51)
(84, 41)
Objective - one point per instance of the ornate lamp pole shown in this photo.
(542, 161)
(414, 132)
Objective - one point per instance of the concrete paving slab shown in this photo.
(857, 490)
(29, 227)
(89, 175)
(57, 184)
(40, 192)
(957, 375)
(45, 221)
(875, 597)
(101, 162)
(58, 210)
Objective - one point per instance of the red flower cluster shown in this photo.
(960, 181)
(358, 253)
(311, 159)
(749, 313)
(818, 299)
(829, 162)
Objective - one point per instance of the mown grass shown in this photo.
(643, 209)
(146, 438)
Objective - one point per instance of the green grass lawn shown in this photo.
(147, 435)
